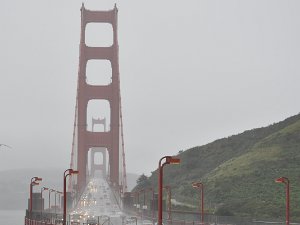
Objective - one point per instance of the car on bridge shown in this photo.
(147, 222)
(91, 222)
(75, 223)
(75, 218)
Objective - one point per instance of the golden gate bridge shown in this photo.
(97, 192)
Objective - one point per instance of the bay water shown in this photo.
(12, 217)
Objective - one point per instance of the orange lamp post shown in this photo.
(49, 196)
(168, 160)
(287, 190)
(56, 192)
(59, 198)
(199, 186)
(42, 205)
(152, 206)
(33, 182)
(66, 174)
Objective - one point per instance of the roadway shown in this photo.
(98, 206)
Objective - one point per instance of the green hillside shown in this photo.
(239, 171)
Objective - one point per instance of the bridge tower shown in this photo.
(85, 139)
(94, 166)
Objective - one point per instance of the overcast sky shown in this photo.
(191, 72)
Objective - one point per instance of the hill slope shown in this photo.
(239, 171)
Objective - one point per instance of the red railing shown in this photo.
(35, 222)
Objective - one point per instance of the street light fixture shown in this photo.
(33, 182)
(286, 181)
(66, 174)
(50, 191)
(168, 160)
(42, 205)
(199, 186)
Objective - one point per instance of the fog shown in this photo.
(191, 72)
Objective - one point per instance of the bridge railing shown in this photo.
(36, 222)
(45, 218)
(193, 218)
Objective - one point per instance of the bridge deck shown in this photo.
(98, 204)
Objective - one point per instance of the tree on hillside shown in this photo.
(142, 182)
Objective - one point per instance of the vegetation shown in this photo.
(238, 172)
(142, 182)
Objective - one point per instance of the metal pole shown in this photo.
(42, 203)
(160, 175)
(199, 186)
(287, 202)
(160, 187)
(202, 204)
(55, 204)
(32, 182)
(70, 171)
(138, 203)
(153, 205)
(49, 200)
(286, 181)
(30, 198)
(33, 179)
(143, 209)
(169, 203)
(65, 197)
(59, 201)
(169, 160)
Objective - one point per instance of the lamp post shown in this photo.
(168, 160)
(137, 205)
(49, 205)
(142, 206)
(56, 192)
(59, 198)
(286, 181)
(168, 189)
(152, 206)
(42, 205)
(33, 182)
(66, 174)
(199, 186)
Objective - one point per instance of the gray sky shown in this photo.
(191, 72)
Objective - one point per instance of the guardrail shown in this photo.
(193, 218)
(45, 218)
(36, 222)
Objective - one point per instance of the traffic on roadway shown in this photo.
(99, 206)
